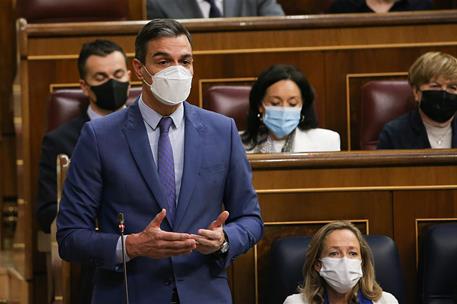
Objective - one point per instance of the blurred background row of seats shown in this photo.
(41, 11)
(381, 102)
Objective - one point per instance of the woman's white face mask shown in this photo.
(342, 274)
(171, 86)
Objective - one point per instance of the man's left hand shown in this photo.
(211, 239)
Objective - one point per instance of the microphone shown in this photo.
(121, 220)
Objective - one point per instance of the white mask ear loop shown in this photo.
(144, 80)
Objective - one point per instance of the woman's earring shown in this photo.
(259, 117)
(302, 118)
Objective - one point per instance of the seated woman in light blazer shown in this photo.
(281, 115)
(339, 269)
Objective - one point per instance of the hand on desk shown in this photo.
(155, 243)
(211, 239)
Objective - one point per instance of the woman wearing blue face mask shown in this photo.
(433, 78)
(281, 115)
(339, 269)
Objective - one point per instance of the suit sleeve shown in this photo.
(76, 235)
(244, 227)
(47, 198)
(269, 8)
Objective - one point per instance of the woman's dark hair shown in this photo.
(256, 132)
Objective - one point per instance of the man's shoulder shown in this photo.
(111, 120)
(196, 113)
(68, 129)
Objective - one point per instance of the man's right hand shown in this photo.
(155, 243)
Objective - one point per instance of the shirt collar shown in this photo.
(152, 118)
(92, 114)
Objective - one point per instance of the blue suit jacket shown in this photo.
(113, 171)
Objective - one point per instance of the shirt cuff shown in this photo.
(119, 251)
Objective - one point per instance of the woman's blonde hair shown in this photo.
(430, 66)
(313, 285)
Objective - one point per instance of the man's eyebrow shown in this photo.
(100, 73)
(157, 54)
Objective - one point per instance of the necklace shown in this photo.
(440, 138)
(437, 135)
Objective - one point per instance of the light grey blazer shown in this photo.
(187, 9)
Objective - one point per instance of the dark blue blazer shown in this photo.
(408, 132)
(113, 170)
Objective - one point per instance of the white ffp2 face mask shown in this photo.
(342, 274)
(172, 85)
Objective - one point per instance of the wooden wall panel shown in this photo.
(7, 152)
(413, 211)
(137, 9)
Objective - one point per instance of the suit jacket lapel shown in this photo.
(419, 130)
(137, 138)
(192, 160)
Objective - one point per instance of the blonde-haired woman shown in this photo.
(432, 124)
(339, 269)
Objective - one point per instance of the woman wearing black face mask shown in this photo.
(433, 78)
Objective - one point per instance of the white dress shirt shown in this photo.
(92, 114)
(176, 134)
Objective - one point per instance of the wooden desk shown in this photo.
(338, 53)
(393, 193)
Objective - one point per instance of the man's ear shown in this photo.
(84, 87)
(137, 65)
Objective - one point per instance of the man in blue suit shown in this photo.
(180, 176)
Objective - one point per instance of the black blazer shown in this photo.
(408, 132)
(61, 140)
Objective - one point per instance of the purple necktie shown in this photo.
(166, 166)
(214, 12)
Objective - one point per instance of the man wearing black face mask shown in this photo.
(104, 79)
(433, 78)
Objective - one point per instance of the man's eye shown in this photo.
(119, 74)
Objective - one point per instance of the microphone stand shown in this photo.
(124, 263)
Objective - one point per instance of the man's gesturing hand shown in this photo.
(211, 239)
(156, 243)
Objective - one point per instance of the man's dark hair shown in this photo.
(156, 29)
(99, 47)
